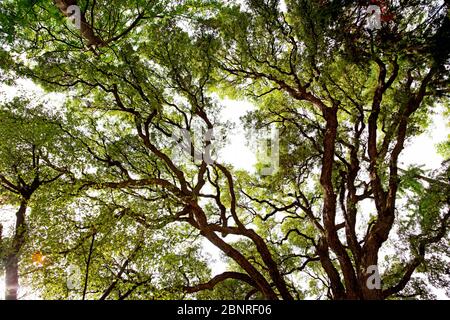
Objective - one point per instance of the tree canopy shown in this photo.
(108, 209)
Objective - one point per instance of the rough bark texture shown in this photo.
(12, 258)
(87, 31)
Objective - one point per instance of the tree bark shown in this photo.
(87, 31)
(12, 259)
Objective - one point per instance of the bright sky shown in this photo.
(237, 152)
(422, 150)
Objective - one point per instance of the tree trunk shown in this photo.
(12, 259)
(87, 31)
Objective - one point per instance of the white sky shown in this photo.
(422, 150)
(236, 152)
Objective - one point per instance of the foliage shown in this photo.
(130, 217)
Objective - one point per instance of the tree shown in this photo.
(345, 99)
(28, 142)
(351, 97)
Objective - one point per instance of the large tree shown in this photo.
(344, 96)
(30, 143)
(349, 97)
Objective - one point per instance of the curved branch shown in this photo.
(218, 279)
(411, 267)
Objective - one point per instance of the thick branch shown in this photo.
(218, 279)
